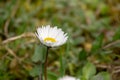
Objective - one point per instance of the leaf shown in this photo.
(97, 43)
(117, 35)
(39, 53)
(88, 71)
(36, 71)
(82, 55)
(62, 66)
(52, 76)
(102, 76)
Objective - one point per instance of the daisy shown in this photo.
(68, 78)
(51, 36)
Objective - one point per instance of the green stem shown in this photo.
(45, 64)
(45, 67)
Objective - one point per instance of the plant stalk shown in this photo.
(45, 67)
(45, 64)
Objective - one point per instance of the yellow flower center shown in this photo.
(49, 39)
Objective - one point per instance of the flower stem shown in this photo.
(45, 64)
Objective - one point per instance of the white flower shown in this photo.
(68, 78)
(51, 36)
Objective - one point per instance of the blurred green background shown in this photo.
(93, 48)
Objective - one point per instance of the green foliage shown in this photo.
(36, 71)
(83, 55)
(52, 76)
(62, 66)
(102, 76)
(39, 56)
(117, 35)
(88, 71)
(39, 53)
(97, 44)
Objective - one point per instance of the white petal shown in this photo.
(55, 33)
(68, 78)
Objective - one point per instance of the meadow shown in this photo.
(92, 51)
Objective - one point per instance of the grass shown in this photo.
(93, 29)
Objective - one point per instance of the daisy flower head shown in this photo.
(51, 36)
(68, 78)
